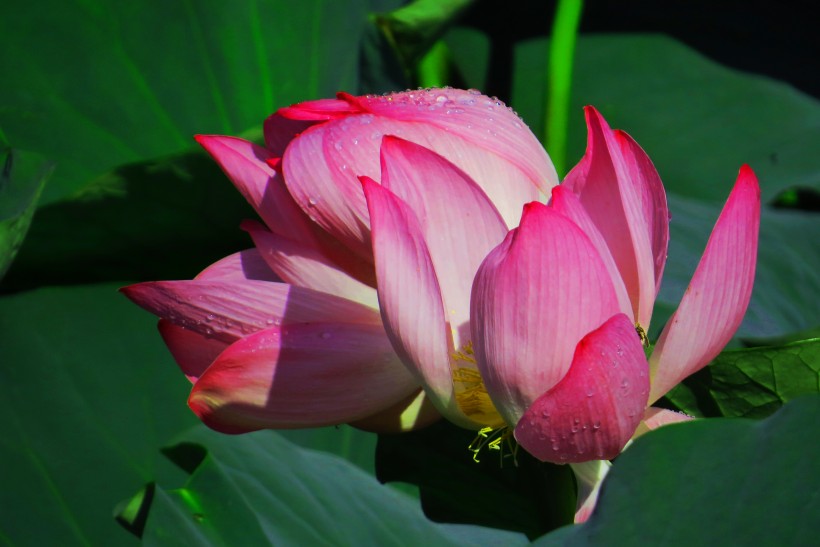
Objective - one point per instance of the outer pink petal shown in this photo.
(410, 297)
(241, 266)
(227, 311)
(483, 122)
(589, 476)
(192, 351)
(717, 297)
(534, 297)
(567, 203)
(301, 375)
(303, 266)
(322, 165)
(458, 223)
(612, 196)
(594, 411)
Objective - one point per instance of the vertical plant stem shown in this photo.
(559, 80)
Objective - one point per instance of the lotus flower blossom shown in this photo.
(559, 309)
(289, 334)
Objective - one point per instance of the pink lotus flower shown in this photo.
(556, 306)
(288, 334)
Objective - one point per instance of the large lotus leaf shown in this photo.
(90, 394)
(751, 382)
(95, 85)
(712, 482)
(259, 489)
(22, 177)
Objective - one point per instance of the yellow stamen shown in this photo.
(470, 392)
(495, 439)
(642, 335)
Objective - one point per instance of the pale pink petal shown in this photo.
(241, 266)
(410, 297)
(415, 411)
(245, 164)
(306, 267)
(192, 351)
(612, 196)
(594, 410)
(567, 203)
(589, 476)
(717, 297)
(534, 297)
(458, 223)
(653, 199)
(227, 311)
(301, 375)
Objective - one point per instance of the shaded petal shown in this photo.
(306, 267)
(227, 311)
(241, 266)
(457, 241)
(717, 297)
(533, 298)
(301, 375)
(589, 476)
(416, 411)
(567, 203)
(612, 196)
(410, 298)
(192, 351)
(594, 411)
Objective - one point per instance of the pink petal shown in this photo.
(567, 203)
(593, 412)
(431, 186)
(303, 266)
(301, 375)
(655, 417)
(534, 297)
(717, 297)
(241, 266)
(653, 199)
(245, 164)
(612, 196)
(410, 297)
(322, 167)
(227, 311)
(192, 351)
(485, 124)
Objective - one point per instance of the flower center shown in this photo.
(470, 392)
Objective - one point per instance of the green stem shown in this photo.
(559, 80)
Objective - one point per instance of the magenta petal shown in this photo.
(717, 297)
(533, 298)
(192, 351)
(241, 266)
(301, 375)
(409, 293)
(594, 411)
